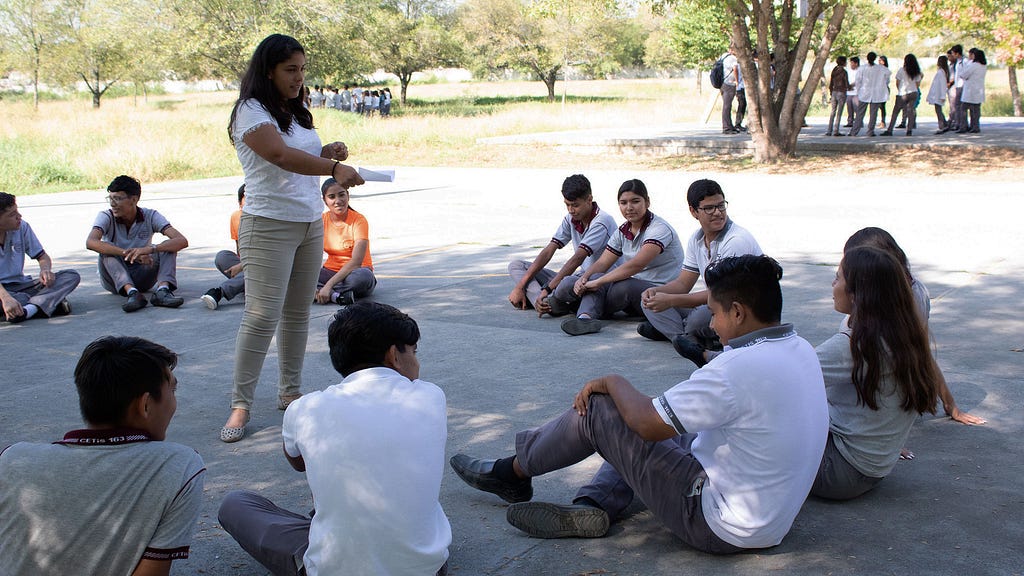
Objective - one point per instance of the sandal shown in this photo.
(284, 400)
(230, 434)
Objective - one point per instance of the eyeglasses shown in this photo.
(116, 199)
(709, 210)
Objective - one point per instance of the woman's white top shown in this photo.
(270, 191)
(937, 92)
(973, 75)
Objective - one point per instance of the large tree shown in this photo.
(405, 45)
(772, 45)
(29, 28)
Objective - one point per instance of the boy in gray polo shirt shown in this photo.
(129, 262)
(114, 498)
(21, 296)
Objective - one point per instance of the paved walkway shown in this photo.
(441, 241)
(707, 139)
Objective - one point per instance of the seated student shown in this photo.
(674, 312)
(724, 459)
(648, 252)
(879, 238)
(348, 272)
(879, 374)
(21, 296)
(372, 448)
(588, 228)
(129, 262)
(229, 263)
(113, 498)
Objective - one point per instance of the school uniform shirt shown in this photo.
(973, 75)
(18, 244)
(136, 235)
(733, 240)
(593, 238)
(761, 419)
(937, 91)
(656, 231)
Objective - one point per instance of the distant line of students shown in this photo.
(365, 102)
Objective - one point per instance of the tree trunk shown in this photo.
(96, 92)
(35, 82)
(549, 79)
(404, 79)
(700, 84)
(1014, 91)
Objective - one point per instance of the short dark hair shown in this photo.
(841, 60)
(576, 187)
(957, 49)
(362, 333)
(115, 370)
(126, 184)
(636, 187)
(241, 193)
(700, 190)
(855, 60)
(6, 201)
(750, 280)
(871, 57)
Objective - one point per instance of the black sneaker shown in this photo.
(479, 474)
(546, 520)
(580, 326)
(345, 298)
(62, 309)
(163, 297)
(690, 350)
(212, 298)
(647, 330)
(558, 308)
(135, 301)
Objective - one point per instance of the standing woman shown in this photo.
(908, 82)
(884, 61)
(938, 91)
(281, 233)
(879, 374)
(973, 75)
(648, 253)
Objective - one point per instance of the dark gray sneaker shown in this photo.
(546, 520)
(212, 298)
(479, 474)
(580, 326)
(164, 297)
(62, 309)
(690, 350)
(647, 330)
(135, 301)
(345, 298)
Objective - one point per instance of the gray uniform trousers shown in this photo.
(115, 273)
(563, 292)
(694, 323)
(665, 474)
(232, 286)
(46, 298)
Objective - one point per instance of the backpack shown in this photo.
(718, 74)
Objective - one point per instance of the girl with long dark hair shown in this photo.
(973, 75)
(280, 236)
(938, 92)
(908, 82)
(879, 374)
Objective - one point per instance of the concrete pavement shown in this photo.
(441, 239)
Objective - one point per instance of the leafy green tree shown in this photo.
(405, 45)
(29, 28)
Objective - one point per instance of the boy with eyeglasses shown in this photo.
(675, 311)
(129, 262)
(21, 296)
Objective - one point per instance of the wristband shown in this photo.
(547, 288)
(154, 248)
(334, 168)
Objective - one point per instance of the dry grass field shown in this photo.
(67, 145)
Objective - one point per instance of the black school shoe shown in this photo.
(690, 350)
(647, 330)
(479, 474)
(580, 326)
(165, 298)
(546, 520)
(135, 301)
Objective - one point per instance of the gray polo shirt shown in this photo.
(665, 266)
(139, 234)
(17, 245)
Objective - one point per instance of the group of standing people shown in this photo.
(864, 90)
(355, 100)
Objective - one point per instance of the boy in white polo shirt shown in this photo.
(724, 459)
(372, 448)
(588, 228)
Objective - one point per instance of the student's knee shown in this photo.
(233, 507)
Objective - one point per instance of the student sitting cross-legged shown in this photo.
(724, 459)
(372, 448)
